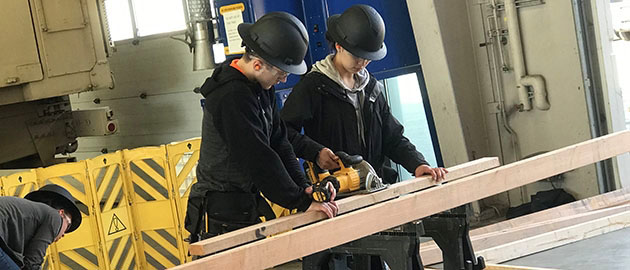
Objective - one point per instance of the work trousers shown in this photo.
(6, 263)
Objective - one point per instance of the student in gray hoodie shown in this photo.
(341, 107)
(28, 226)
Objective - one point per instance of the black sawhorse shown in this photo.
(398, 248)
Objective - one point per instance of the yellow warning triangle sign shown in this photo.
(116, 225)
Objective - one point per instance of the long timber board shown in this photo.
(262, 230)
(354, 225)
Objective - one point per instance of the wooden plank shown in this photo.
(491, 266)
(431, 253)
(351, 226)
(260, 231)
(556, 238)
(582, 206)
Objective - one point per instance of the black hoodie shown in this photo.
(244, 145)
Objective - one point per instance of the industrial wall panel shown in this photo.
(67, 43)
(161, 69)
(20, 59)
(60, 15)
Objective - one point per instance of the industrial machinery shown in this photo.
(354, 176)
(50, 49)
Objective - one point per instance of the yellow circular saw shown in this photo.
(354, 176)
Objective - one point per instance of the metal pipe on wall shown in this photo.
(201, 32)
(536, 82)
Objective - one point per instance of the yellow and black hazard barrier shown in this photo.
(133, 204)
(154, 207)
(182, 159)
(112, 202)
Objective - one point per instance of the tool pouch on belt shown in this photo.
(226, 211)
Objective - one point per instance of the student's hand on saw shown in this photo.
(329, 207)
(327, 160)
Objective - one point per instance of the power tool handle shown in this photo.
(321, 193)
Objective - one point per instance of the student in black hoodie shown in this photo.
(341, 106)
(244, 145)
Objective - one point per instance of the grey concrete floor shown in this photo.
(610, 251)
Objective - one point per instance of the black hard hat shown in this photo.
(279, 38)
(360, 30)
(52, 192)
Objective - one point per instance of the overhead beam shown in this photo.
(263, 230)
(351, 226)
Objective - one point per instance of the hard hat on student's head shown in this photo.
(360, 30)
(55, 193)
(278, 38)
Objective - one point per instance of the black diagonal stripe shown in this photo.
(156, 167)
(110, 186)
(167, 236)
(132, 265)
(45, 267)
(87, 255)
(159, 248)
(108, 191)
(112, 250)
(100, 177)
(116, 173)
(18, 190)
(149, 180)
(124, 254)
(74, 182)
(143, 194)
(154, 262)
(118, 199)
(83, 208)
(70, 262)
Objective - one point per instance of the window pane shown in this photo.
(159, 16)
(405, 100)
(119, 19)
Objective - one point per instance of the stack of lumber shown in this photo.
(400, 208)
(545, 229)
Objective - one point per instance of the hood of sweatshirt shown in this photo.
(327, 67)
(221, 75)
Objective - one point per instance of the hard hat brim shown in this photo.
(333, 30)
(244, 32)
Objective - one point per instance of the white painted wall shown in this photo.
(550, 48)
(161, 68)
(612, 68)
